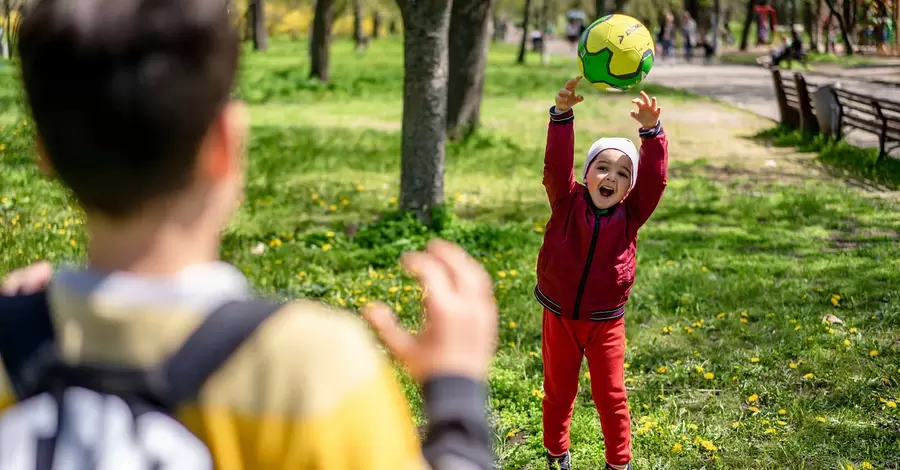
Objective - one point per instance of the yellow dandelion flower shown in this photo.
(360, 188)
(326, 247)
(820, 419)
(847, 342)
(744, 321)
(393, 200)
(699, 369)
(850, 467)
(782, 412)
(809, 376)
(329, 234)
(677, 448)
(314, 196)
(771, 431)
(512, 433)
(873, 353)
(662, 369)
(502, 273)
(792, 365)
(587, 375)
(852, 331)
(513, 324)
(513, 273)
(393, 290)
(709, 376)
(538, 393)
(753, 398)
(709, 446)
(754, 409)
(891, 404)
(735, 425)
(754, 360)
(867, 466)
(781, 423)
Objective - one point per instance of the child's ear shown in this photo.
(41, 158)
(224, 146)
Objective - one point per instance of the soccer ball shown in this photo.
(615, 52)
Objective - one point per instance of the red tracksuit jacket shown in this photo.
(586, 264)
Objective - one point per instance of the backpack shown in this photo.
(102, 416)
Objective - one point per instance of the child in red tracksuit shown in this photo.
(586, 268)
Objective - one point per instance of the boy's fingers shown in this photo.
(466, 273)
(572, 83)
(645, 98)
(634, 114)
(580, 98)
(653, 104)
(658, 111)
(398, 341)
(429, 271)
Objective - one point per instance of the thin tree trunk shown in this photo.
(426, 61)
(523, 45)
(376, 24)
(600, 8)
(320, 44)
(260, 35)
(7, 30)
(468, 48)
(358, 35)
(716, 25)
(845, 31)
(748, 23)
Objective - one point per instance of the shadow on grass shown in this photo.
(840, 159)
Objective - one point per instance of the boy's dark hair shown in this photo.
(124, 91)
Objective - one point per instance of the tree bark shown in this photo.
(426, 61)
(7, 30)
(468, 48)
(320, 44)
(748, 23)
(359, 36)
(523, 45)
(842, 23)
(376, 24)
(260, 35)
(716, 25)
(600, 8)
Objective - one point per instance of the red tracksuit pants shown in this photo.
(565, 342)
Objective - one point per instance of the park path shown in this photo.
(751, 87)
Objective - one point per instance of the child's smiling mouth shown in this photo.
(606, 191)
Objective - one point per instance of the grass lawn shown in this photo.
(814, 59)
(730, 365)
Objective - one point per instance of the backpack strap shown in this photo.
(210, 346)
(25, 330)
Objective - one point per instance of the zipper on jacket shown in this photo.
(587, 265)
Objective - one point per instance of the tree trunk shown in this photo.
(716, 25)
(620, 5)
(320, 44)
(359, 36)
(809, 13)
(523, 45)
(376, 24)
(260, 35)
(842, 23)
(748, 23)
(600, 8)
(7, 30)
(468, 48)
(425, 39)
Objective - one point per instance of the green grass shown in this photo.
(841, 157)
(814, 59)
(736, 269)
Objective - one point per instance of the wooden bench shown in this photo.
(867, 113)
(794, 103)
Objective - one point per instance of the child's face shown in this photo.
(609, 178)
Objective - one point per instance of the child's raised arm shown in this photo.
(654, 162)
(559, 158)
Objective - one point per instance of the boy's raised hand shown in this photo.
(566, 98)
(28, 280)
(647, 113)
(459, 331)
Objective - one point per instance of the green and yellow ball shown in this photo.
(615, 52)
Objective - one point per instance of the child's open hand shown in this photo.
(647, 111)
(566, 98)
